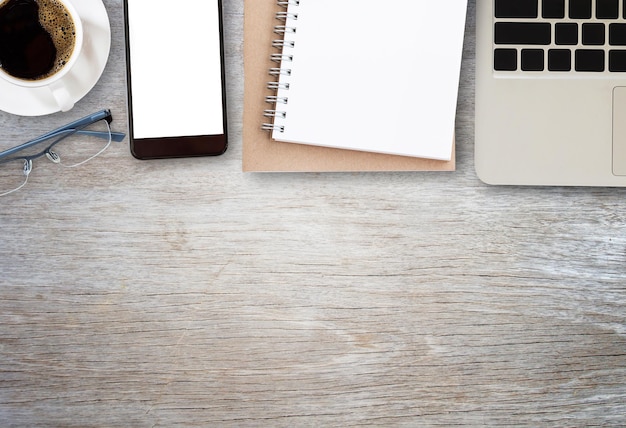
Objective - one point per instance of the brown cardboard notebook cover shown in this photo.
(260, 152)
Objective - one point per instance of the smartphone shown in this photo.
(175, 78)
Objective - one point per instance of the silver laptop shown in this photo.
(551, 92)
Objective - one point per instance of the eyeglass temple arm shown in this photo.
(69, 129)
(87, 120)
(115, 136)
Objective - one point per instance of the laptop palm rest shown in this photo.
(619, 130)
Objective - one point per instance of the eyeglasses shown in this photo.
(70, 146)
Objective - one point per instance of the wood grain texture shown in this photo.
(187, 293)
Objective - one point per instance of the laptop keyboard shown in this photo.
(562, 36)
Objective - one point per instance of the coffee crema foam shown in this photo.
(37, 38)
(56, 20)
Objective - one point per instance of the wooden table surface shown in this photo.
(188, 293)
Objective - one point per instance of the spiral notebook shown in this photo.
(261, 153)
(354, 74)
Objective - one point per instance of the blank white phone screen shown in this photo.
(175, 68)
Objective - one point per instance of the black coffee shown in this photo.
(37, 38)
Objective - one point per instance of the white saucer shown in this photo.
(81, 79)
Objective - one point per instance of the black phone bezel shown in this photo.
(179, 146)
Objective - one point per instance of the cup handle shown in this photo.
(61, 95)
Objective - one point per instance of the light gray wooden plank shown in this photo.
(184, 292)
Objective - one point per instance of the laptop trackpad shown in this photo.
(619, 130)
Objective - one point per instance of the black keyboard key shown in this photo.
(617, 34)
(559, 60)
(593, 34)
(589, 60)
(522, 33)
(607, 9)
(580, 9)
(532, 60)
(566, 33)
(516, 9)
(505, 59)
(553, 9)
(617, 61)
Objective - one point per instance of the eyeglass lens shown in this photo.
(81, 146)
(68, 150)
(14, 175)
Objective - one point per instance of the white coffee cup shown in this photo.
(55, 83)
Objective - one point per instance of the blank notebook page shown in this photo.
(372, 76)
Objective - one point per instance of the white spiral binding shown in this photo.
(275, 86)
(283, 58)
(279, 44)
